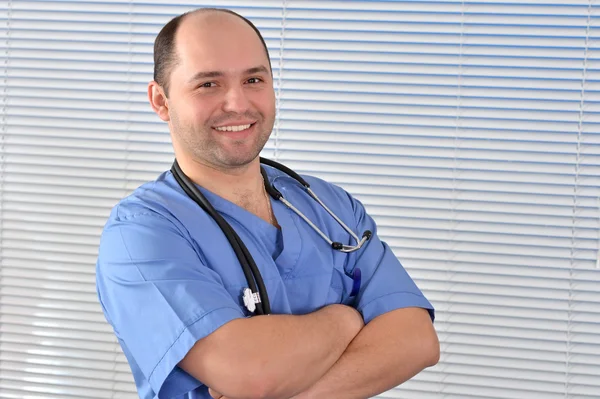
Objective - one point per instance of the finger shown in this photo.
(214, 394)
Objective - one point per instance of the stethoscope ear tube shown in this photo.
(285, 169)
(272, 191)
(247, 263)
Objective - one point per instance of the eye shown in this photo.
(208, 84)
(254, 80)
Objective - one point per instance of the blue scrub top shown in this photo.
(166, 275)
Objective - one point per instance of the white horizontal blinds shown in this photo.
(583, 338)
(77, 135)
(62, 153)
(4, 51)
(469, 130)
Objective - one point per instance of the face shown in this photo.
(221, 102)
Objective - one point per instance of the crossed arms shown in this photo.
(327, 353)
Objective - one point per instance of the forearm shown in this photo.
(272, 356)
(388, 351)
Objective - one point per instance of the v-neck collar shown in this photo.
(288, 235)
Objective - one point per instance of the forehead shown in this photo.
(218, 41)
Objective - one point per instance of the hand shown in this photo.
(215, 395)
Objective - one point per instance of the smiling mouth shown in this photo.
(237, 128)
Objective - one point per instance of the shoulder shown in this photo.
(336, 198)
(335, 194)
(320, 186)
(145, 225)
(153, 200)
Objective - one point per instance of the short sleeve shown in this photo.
(159, 297)
(386, 285)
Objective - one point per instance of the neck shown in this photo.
(238, 185)
(243, 186)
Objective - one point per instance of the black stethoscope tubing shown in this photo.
(251, 272)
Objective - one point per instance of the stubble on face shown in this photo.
(196, 134)
(203, 144)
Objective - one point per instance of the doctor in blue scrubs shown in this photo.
(171, 285)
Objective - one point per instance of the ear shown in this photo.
(158, 101)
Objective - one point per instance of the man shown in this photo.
(170, 284)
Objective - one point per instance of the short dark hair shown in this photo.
(165, 57)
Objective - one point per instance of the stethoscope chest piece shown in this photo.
(250, 299)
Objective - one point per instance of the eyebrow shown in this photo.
(259, 69)
(217, 74)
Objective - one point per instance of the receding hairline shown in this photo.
(167, 55)
(207, 11)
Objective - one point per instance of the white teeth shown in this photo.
(233, 128)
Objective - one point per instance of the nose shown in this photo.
(236, 100)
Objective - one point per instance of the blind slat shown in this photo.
(470, 130)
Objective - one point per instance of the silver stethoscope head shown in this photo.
(273, 192)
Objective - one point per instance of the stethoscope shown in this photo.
(255, 296)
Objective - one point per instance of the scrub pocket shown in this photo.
(340, 287)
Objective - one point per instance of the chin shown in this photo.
(241, 157)
(236, 160)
